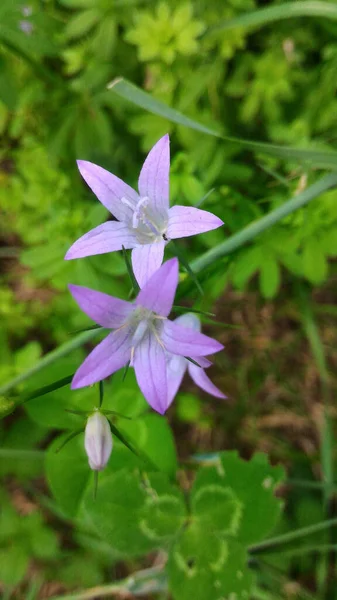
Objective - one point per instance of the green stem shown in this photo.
(143, 583)
(292, 536)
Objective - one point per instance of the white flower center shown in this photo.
(144, 322)
(147, 223)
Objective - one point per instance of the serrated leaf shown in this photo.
(203, 566)
(136, 514)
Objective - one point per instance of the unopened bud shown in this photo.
(97, 441)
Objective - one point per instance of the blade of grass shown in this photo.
(286, 10)
(287, 538)
(326, 433)
(131, 93)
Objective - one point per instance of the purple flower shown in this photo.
(145, 220)
(177, 365)
(142, 334)
(97, 441)
(26, 26)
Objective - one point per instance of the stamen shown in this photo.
(128, 203)
(132, 355)
(157, 338)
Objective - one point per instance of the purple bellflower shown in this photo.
(145, 220)
(97, 441)
(177, 365)
(142, 334)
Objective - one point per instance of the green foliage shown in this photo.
(252, 116)
(137, 512)
(22, 539)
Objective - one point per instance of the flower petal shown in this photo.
(109, 356)
(190, 320)
(105, 310)
(176, 367)
(150, 367)
(154, 177)
(203, 381)
(109, 189)
(158, 293)
(107, 237)
(202, 361)
(186, 342)
(146, 260)
(187, 220)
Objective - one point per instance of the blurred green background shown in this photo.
(274, 299)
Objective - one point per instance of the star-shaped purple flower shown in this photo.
(178, 365)
(142, 334)
(145, 220)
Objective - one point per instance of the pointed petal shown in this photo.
(109, 189)
(188, 220)
(150, 368)
(176, 367)
(107, 237)
(154, 177)
(186, 342)
(192, 321)
(109, 356)
(202, 361)
(105, 310)
(158, 293)
(146, 260)
(203, 381)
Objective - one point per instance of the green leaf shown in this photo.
(216, 508)
(203, 566)
(14, 562)
(82, 23)
(68, 473)
(286, 10)
(315, 266)
(136, 514)
(130, 92)
(269, 276)
(255, 479)
(246, 264)
(153, 435)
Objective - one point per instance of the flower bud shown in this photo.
(97, 441)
